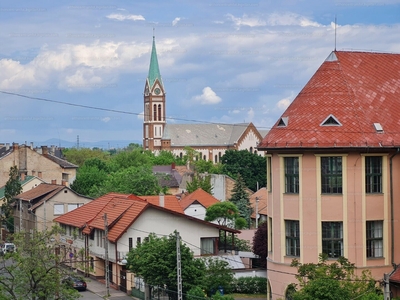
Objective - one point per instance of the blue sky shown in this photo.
(221, 61)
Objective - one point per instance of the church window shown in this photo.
(155, 112)
(159, 112)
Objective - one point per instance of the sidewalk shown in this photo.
(99, 289)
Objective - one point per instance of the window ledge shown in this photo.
(375, 258)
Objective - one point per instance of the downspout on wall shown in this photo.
(391, 206)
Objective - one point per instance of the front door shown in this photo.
(110, 272)
(122, 280)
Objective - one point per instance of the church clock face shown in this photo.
(157, 91)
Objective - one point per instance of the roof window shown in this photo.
(378, 127)
(283, 122)
(331, 121)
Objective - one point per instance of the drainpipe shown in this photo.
(391, 205)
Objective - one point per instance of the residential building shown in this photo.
(196, 203)
(40, 205)
(210, 140)
(168, 177)
(44, 165)
(259, 204)
(27, 183)
(128, 220)
(333, 169)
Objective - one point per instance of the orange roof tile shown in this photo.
(201, 197)
(358, 89)
(262, 195)
(170, 202)
(395, 276)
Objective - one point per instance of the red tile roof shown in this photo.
(170, 202)
(358, 89)
(122, 211)
(395, 276)
(199, 196)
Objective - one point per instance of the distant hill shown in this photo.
(111, 144)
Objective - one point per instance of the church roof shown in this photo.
(154, 70)
(351, 101)
(204, 134)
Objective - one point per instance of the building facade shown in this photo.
(333, 170)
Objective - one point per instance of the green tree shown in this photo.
(225, 213)
(36, 270)
(127, 159)
(218, 274)
(133, 180)
(13, 187)
(241, 199)
(334, 280)
(91, 175)
(251, 166)
(155, 261)
(79, 156)
(200, 181)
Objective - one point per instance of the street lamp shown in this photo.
(257, 200)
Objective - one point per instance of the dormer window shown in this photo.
(331, 121)
(283, 122)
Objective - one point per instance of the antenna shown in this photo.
(335, 33)
(154, 29)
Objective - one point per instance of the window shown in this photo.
(292, 175)
(332, 239)
(159, 112)
(269, 173)
(72, 206)
(374, 238)
(58, 209)
(130, 240)
(373, 174)
(155, 112)
(100, 238)
(138, 241)
(215, 158)
(292, 238)
(331, 175)
(207, 246)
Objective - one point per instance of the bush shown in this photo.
(218, 296)
(196, 293)
(250, 285)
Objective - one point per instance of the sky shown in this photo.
(74, 69)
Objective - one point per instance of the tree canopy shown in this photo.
(12, 188)
(79, 156)
(333, 280)
(36, 270)
(260, 243)
(226, 214)
(155, 261)
(251, 166)
(200, 181)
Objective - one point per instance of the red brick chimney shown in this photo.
(53, 181)
(64, 182)
(22, 176)
(15, 146)
(44, 150)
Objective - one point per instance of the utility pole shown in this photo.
(386, 289)
(257, 211)
(20, 215)
(44, 214)
(178, 264)
(106, 255)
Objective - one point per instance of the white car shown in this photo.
(7, 247)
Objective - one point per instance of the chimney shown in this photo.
(39, 174)
(15, 146)
(7, 146)
(173, 166)
(53, 150)
(44, 150)
(31, 145)
(53, 181)
(22, 176)
(64, 182)
(162, 200)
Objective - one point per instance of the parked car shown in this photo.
(75, 282)
(7, 247)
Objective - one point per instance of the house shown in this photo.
(123, 221)
(259, 204)
(27, 183)
(210, 140)
(44, 165)
(40, 205)
(333, 170)
(195, 204)
(168, 177)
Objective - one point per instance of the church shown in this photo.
(210, 140)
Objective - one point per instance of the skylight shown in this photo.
(378, 127)
(283, 122)
(331, 121)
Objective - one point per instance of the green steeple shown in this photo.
(154, 71)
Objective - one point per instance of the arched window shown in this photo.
(155, 112)
(216, 158)
(159, 112)
(180, 155)
(204, 157)
(251, 149)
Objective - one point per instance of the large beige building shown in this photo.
(334, 170)
(30, 162)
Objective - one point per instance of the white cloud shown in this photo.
(208, 97)
(121, 17)
(250, 114)
(175, 21)
(290, 19)
(247, 21)
(284, 103)
(140, 116)
(106, 119)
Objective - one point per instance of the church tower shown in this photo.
(154, 105)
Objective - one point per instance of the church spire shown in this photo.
(154, 70)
